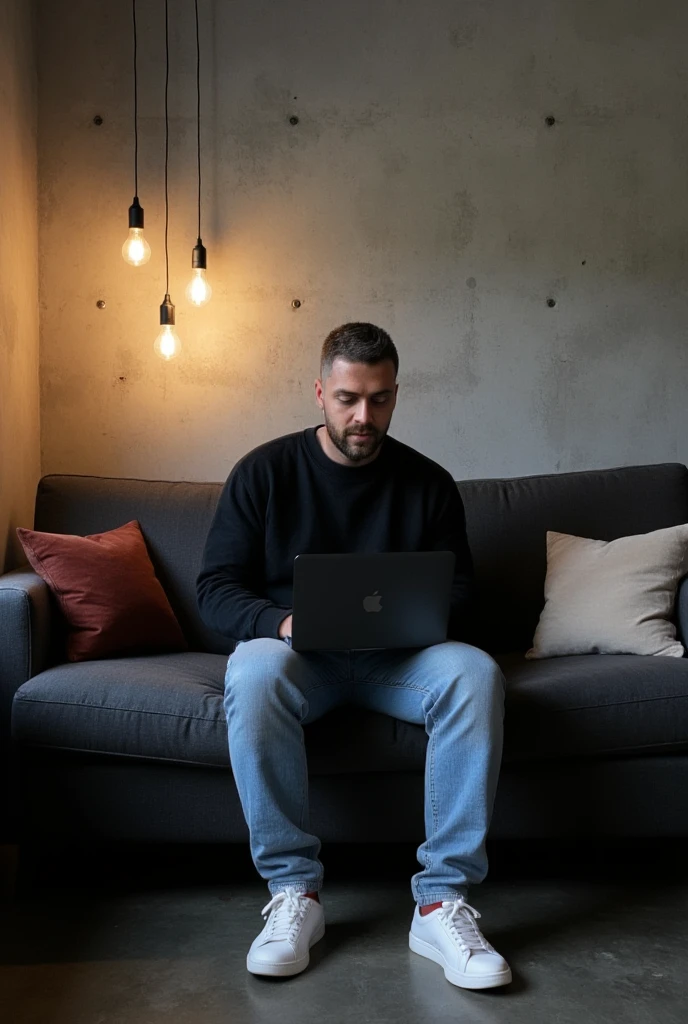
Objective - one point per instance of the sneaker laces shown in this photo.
(460, 918)
(286, 910)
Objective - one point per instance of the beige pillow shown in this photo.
(611, 597)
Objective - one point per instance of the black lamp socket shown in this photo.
(199, 256)
(167, 312)
(136, 214)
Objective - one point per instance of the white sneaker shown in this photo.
(450, 937)
(294, 922)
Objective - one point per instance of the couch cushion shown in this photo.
(169, 707)
(107, 589)
(594, 704)
(612, 597)
(165, 706)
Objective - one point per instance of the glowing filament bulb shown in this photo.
(198, 291)
(167, 344)
(136, 250)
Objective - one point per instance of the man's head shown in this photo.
(357, 388)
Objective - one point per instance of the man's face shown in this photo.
(358, 399)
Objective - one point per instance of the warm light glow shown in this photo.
(198, 290)
(136, 249)
(167, 343)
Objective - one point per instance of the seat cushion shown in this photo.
(594, 704)
(165, 706)
(169, 707)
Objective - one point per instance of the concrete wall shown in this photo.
(422, 189)
(19, 396)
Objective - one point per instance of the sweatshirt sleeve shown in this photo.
(233, 565)
(448, 533)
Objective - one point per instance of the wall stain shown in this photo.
(597, 22)
(261, 141)
(351, 122)
(462, 214)
(457, 375)
(569, 362)
(463, 35)
(129, 368)
(393, 162)
(579, 109)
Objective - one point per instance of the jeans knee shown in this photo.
(478, 673)
(258, 677)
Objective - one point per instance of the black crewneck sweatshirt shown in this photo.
(287, 497)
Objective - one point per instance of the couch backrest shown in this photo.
(175, 519)
(506, 519)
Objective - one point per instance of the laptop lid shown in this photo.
(358, 601)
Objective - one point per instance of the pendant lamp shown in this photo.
(198, 291)
(136, 250)
(167, 344)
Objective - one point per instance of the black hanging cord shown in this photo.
(136, 109)
(167, 146)
(198, 117)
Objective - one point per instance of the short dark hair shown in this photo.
(357, 343)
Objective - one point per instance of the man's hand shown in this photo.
(285, 627)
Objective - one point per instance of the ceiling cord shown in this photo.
(167, 145)
(136, 110)
(198, 116)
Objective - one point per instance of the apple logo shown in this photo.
(372, 603)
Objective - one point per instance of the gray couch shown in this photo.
(135, 748)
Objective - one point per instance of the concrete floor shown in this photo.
(592, 938)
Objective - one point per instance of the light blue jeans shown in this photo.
(455, 690)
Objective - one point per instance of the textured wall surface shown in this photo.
(19, 395)
(422, 189)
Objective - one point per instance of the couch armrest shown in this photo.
(26, 645)
(26, 631)
(681, 613)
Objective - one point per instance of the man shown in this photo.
(340, 487)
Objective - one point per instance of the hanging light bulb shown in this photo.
(136, 249)
(167, 344)
(198, 291)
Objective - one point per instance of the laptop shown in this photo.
(371, 601)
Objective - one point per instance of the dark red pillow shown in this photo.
(108, 591)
